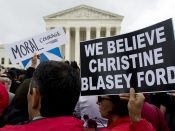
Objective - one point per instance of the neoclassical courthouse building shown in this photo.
(80, 23)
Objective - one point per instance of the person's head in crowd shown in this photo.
(124, 111)
(15, 74)
(12, 74)
(75, 65)
(4, 98)
(17, 112)
(2, 70)
(6, 80)
(21, 75)
(54, 90)
(112, 106)
(67, 62)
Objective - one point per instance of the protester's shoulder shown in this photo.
(14, 128)
(142, 125)
(47, 124)
(125, 126)
(57, 123)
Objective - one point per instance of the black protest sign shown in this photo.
(143, 59)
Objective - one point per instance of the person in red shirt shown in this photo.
(154, 115)
(124, 115)
(53, 93)
(4, 101)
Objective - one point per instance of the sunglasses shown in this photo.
(100, 99)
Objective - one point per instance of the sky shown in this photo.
(20, 19)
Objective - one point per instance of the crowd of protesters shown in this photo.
(47, 98)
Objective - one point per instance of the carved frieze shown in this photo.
(84, 14)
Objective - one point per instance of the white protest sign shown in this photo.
(26, 48)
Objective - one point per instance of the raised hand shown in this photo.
(135, 104)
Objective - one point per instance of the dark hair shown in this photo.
(74, 65)
(12, 74)
(59, 86)
(120, 106)
(20, 97)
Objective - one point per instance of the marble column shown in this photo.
(98, 30)
(117, 30)
(67, 46)
(108, 31)
(88, 33)
(77, 45)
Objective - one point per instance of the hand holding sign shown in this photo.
(34, 61)
(135, 104)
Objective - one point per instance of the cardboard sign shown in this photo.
(25, 49)
(142, 59)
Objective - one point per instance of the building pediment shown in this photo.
(84, 12)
